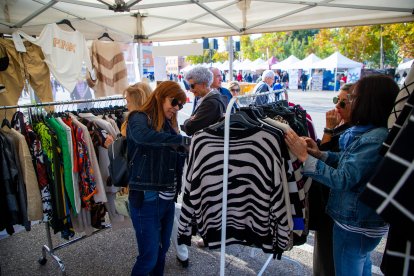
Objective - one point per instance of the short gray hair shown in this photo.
(268, 74)
(200, 75)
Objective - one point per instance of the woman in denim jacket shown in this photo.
(357, 229)
(152, 135)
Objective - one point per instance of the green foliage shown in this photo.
(361, 43)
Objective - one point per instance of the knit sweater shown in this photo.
(111, 71)
(256, 212)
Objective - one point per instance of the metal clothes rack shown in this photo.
(49, 248)
(225, 182)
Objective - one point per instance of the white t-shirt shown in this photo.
(64, 53)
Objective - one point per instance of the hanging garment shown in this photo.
(39, 162)
(62, 139)
(75, 176)
(12, 191)
(34, 203)
(64, 52)
(111, 71)
(256, 213)
(390, 192)
(99, 195)
(28, 66)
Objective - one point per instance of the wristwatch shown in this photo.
(328, 130)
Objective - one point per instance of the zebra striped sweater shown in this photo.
(256, 208)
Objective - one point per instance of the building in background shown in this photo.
(147, 59)
(175, 64)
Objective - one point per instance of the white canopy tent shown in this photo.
(305, 63)
(405, 66)
(335, 61)
(172, 20)
(286, 63)
(259, 64)
(245, 65)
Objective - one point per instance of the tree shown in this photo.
(403, 35)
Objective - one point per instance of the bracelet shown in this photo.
(328, 130)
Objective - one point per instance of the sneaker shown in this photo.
(200, 243)
(184, 263)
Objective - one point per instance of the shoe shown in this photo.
(200, 243)
(184, 263)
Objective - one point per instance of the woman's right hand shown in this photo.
(332, 119)
(312, 147)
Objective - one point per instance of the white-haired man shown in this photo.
(265, 85)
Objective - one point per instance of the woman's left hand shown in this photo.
(297, 145)
(109, 140)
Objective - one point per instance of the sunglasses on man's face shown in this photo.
(192, 85)
(175, 102)
(342, 103)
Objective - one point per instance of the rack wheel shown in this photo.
(42, 261)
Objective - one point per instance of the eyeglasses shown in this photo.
(175, 102)
(342, 103)
(192, 85)
(235, 90)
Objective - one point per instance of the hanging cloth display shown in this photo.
(64, 51)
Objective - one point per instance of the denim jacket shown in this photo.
(153, 167)
(347, 174)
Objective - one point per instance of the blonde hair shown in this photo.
(153, 107)
(233, 84)
(138, 94)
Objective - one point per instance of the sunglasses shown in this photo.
(235, 90)
(192, 85)
(342, 103)
(175, 102)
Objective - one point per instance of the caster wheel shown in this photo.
(42, 261)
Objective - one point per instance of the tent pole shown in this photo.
(336, 70)
(140, 57)
(231, 58)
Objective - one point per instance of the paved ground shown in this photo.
(112, 252)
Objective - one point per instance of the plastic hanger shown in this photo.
(105, 35)
(5, 121)
(67, 22)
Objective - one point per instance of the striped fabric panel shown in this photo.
(256, 207)
(404, 103)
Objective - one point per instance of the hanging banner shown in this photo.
(354, 74)
(293, 79)
(160, 73)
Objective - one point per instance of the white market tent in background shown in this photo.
(172, 20)
(286, 63)
(337, 60)
(245, 65)
(259, 65)
(405, 66)
(305, 63)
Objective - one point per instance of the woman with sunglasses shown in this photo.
(234, 88)
(337, 121)
(211, 104)
(357, 229)
(153, 130)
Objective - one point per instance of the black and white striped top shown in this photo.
(256, 210)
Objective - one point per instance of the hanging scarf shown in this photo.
(351, 134)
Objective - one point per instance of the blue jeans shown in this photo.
(153, 222)
(352, 252)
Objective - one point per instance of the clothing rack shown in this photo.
(49, 248)
(225, 181)
(61, 103)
